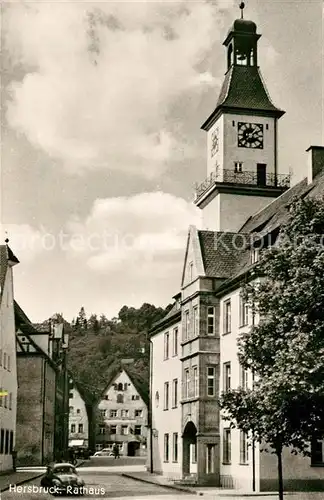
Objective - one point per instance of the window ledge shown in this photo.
(226, 333)
(318, 465)
(244, 463)
(174, 461)
(165, 461)
(226, 463)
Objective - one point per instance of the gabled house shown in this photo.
(78, 417)
(8, 369)
(36, 400)
(122, 413)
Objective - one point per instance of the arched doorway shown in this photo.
(132, 448)
(189, 449)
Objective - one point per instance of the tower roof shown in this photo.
(243, 89)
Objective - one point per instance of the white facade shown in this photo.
(238, 460)
(78, 419)
(228, 152)
(165, 396)
(122, 417)
(8, 367)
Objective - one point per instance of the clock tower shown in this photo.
(242, 170)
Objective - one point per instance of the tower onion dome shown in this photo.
(244, 26)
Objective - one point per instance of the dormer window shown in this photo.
(255, 255)
(238, 167)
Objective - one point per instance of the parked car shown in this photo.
(64, 477)
(103, 453)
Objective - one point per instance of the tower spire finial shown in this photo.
(242, 5)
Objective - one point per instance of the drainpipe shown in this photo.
(151, 407)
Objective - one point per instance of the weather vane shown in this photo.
(7, 239)
(242, 5)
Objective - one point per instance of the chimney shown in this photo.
(315, 162)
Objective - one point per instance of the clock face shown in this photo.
(214, 142)
(250, 135)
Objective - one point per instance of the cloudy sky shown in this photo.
(102, 105)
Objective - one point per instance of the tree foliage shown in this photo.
(95, 344)
(285, 349)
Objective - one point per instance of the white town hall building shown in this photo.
(193, 349)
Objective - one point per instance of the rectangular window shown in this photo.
(175, 447)
(166, 345)
(186, 325)
(243, 377)
(175, 342)
(9, 363)
(210, 458)
(113, 413)
(227, 446)
(195, 321)
(80, 428)
(102, 413)
(138, 430)
(210, 320)
(72, 428)
(106, 397)
(138, 413)
(227, 316)
(175, 393)
(7, 443)
(78, 411)
(71, 409)
(244, 458)
(11, 444)
(113, 429)
(70, 395)
(166, 395)
(255, 254)
(238, 167)
(124, 430)
(211, 381)
(10, 400)
(124, 414)
(191, 271)
(5, 403)
(166, 447)
(2, 441)
(226, 376)
(5, 361)
(102, 429)
(186, 384)
(195, 380)
(244, 312)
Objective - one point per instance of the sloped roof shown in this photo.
(173, 313)
(140, 385)
(6, 255)
(221, 252)
(244, 89)
(276, 213)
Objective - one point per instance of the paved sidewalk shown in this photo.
(220, 493)
(23, 476)
(17, 478)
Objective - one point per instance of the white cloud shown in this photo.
(25, 241)
(103, 77)
(140, 235)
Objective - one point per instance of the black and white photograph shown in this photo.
(162, 249)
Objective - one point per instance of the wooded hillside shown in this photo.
(96, 343)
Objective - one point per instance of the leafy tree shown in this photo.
(285, 350)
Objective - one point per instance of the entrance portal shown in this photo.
(189, 449)
(132, 448)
